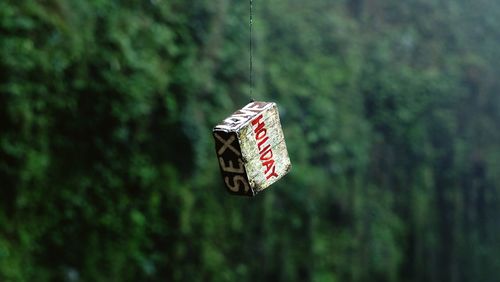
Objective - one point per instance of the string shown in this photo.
(251, 47)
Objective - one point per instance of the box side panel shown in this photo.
(229, 157)
(242, 116)
(264, 150)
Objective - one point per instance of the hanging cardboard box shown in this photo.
(251, 149)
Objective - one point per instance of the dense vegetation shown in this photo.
(391, 112)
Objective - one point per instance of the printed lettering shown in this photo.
(235, 119)
(235, 185)
(260, 124)
(269, 164)
(256, 106)
(273, 173)
(261, 142)
(230, 167)
(266, 155)
(241, 116)
(226, 145)
(265, 150)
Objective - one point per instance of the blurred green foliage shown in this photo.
(390, 110)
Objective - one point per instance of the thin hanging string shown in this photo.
(251, 48)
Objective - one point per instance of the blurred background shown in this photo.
(390, 109)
